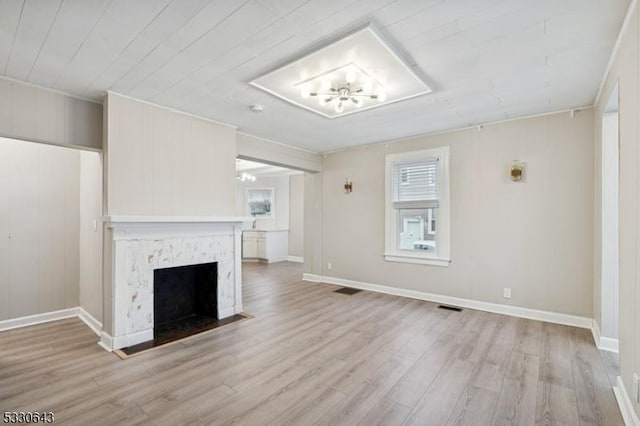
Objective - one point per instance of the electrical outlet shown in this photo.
(636, 388)
(329, 266)
(506, 293)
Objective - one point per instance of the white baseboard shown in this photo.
(311, 278)
(106, 341)
(38, 319)
(603, 343)
(78, 312)
(595, 332)
(624, 402)
(515, 311)
(608, 344)
(296, 259)
(110, 343)
(90, 320)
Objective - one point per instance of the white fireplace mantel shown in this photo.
(174, 219)
(137, 245)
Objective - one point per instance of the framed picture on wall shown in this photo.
(260, 202)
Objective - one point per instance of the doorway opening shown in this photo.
(51, 245)
(272, 197)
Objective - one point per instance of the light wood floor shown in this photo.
(311, 356)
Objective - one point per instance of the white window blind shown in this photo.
(416, 184)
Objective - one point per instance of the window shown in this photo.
(404, 177)
(417, 207)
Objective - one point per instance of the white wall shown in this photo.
(280, 209)
(534, 237)
(34, 114)
(90, 281)
(164, 163)
(625, 73)
(39, 228)
(313, 223)
(296, 216)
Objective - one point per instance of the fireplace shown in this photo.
(203, 252)
(185, 299)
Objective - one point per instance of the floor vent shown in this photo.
(347, 290)
(450, 308)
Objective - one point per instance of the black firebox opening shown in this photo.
(185, 300)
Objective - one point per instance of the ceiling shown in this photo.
(486, 60)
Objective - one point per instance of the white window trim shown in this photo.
(442, 256)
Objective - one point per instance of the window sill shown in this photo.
(421, 260)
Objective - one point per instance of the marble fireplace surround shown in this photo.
(134, 246)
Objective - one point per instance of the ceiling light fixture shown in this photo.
(355, 73)
(246, 177)
(354, 90)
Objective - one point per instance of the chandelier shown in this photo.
(246, 177)
(354, 90)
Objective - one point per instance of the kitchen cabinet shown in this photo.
(265, 245)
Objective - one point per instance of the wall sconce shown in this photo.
(517, 171)
(348, 186)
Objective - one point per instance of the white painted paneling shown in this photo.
(219, 39)
(9, 20)
(129, 154)
(23, 271)
(624, 73)
(50, 183)
(163, 163)
(170, 127)
(82, 123)
(36, 20)
(49, 113)
(198, 56)
(39, 225)
(90, 274)
(5, 232)
(296, 216)
(610, 226)
(75, 21)
(170, 20)
(269, 152)
(261, 50)
(122, 22)
(207, 19)
(30, 113)
(23, 120)
(5, 106)
(71, 238)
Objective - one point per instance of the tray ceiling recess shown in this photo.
(354, 74)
